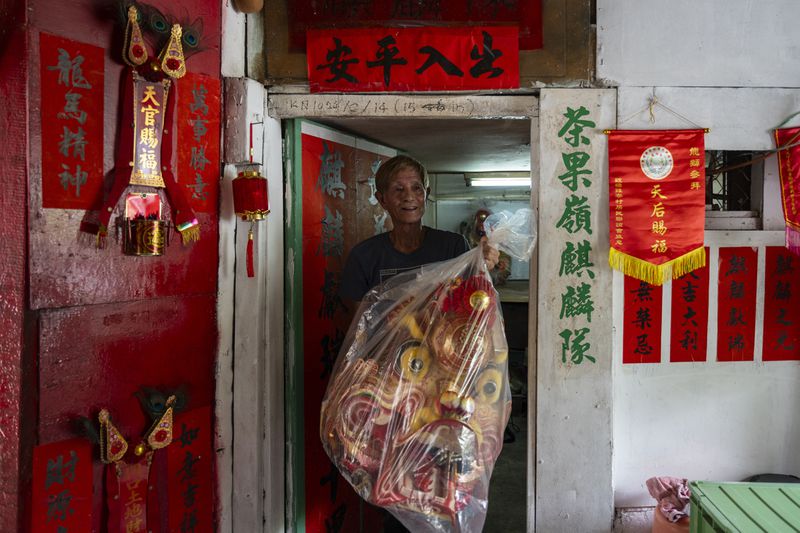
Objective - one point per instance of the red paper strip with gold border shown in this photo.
(62, 487)
(149, 107)
(656, 203)
(127, 495)
(789, 168)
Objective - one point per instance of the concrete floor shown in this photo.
(508, 486)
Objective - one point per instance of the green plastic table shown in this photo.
(744, 507)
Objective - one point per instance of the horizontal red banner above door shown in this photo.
(413, 59)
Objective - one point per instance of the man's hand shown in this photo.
(490, 254)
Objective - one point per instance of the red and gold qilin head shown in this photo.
(415, 417)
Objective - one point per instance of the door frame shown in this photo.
(315, 106)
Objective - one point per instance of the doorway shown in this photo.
(455, 149)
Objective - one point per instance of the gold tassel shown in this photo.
(656, 274)
(190, 235)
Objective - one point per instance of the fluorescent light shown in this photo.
(500, 182)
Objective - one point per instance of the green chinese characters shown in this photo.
(576, 299)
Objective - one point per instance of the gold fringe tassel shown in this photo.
(656, 274)
(190, 235)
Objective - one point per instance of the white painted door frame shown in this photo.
(250, 374)
(311, 106)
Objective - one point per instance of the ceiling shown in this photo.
(449, 145)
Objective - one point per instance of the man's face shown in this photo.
(404, 198)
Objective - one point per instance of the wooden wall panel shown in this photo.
(100, 356)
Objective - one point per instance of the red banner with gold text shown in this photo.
(413, 59)
(789, 167)
(72, 78)
(656, 202)
(198, 136)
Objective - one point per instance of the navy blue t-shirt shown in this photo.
(372, 261)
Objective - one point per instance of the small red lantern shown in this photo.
(251, 202)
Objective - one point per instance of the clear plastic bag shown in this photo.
(417, 405)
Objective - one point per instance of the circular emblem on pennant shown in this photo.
(656, 162)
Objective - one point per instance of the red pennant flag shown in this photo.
(789, 168)
(656, 203)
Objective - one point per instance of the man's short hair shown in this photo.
(391, 167)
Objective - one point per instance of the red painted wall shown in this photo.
(85, 328)
(15, 371)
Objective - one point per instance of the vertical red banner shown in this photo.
(736, 303)
(189, 469)
(689, 323)
(198, 109)
(782, 313)
(62, 487)
(642, 322)
(72, 91)
(328, 202)
(789, 170)
(335, 181)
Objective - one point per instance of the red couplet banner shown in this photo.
(736, 304)
(72, 122)
(782, 314)
(413, 59)
(642, 322)
(198, 139)
(329, 230)
(189, 465)
(657, 202)
(689, 323)
(62, 487)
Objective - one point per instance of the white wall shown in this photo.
(717, 421)
(731, 66)
(709, 43)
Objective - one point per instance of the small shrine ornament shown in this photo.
(129, 479)
(113, 446)
(144, 184)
